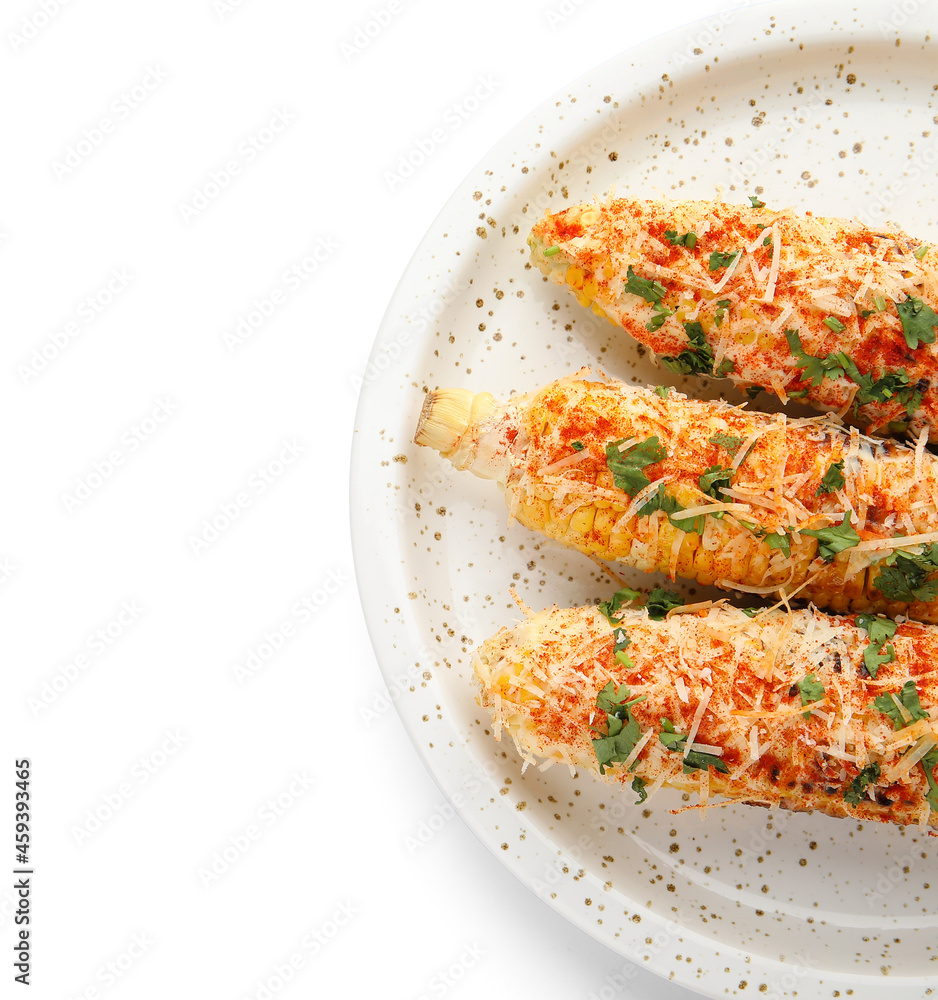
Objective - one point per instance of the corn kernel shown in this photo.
(575, 277)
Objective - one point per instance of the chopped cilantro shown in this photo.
(929, 762)
(855, 794)
(697, 359)
(662, 500)
(815, 369)
(648, 289)
(626, 466)
(728, 441)
(753, 390)
(722, 306)
(622, 731)
(880, 630)
(692, 525)
(767, 242)
(661, 313)
(750, 612)
(833, 479)
(577, 445)
(908, 696)
(622, 642)
(756, 203)
(834, 539)
(811, 690)
(669, 736)
(834, 323)
(903, 576)
(918, 322)
(688, 240)
(624, 596)
(719, 259)
(550, 251)
(779, 540)
(694, 760)
(724, 368)
(660, 602)
(713, 479)
(662, 391)
(638, 786)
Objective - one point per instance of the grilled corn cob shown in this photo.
(780, 710)
(707, 491)
(826, 310)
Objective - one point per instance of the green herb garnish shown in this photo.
(756, 203)
(624, 596)
(722, 306)
(880, 631)
(834, 539)
(661, 313)
(834, 323)
(622, 642)
(728, 441)
(626, 466)
(918, 322)
(779, 540)
(622, 731)
(908, 697)
(833, 479)
(638, 786)
(855, 794)
(697, 359)
(647, 288)
(694, 760)
(811, 690)
(550, 251)
(688, 240)
(719, 259)
(662, 500)
(660, 602)
(662, 391)
(903, 576)
(577, 445)
(815, 369)
(713, 479)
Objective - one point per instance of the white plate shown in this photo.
(833, 116)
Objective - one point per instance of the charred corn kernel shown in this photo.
(844, 287)
(746, 737)
(749, 522)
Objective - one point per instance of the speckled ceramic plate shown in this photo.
(835, 114)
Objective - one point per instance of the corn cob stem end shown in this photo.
(445, 417)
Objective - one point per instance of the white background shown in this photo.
(197, 823)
